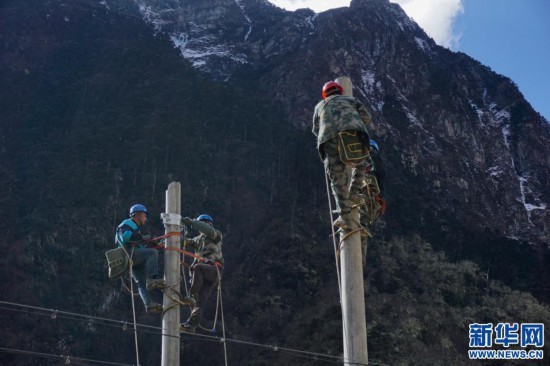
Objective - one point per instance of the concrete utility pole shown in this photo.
(171, 318)
(353, 293)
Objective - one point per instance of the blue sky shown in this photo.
(512, 37)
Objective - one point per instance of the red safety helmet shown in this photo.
(330, 87)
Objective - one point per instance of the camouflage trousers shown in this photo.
(343, 184)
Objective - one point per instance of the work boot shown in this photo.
(154, 308)
(154, 283)
(188, 327)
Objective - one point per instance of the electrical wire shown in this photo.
(54, 314)
(68, 359)
(123, 325)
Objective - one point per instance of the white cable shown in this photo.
(221, 309)
(336, 252)
(133, 301)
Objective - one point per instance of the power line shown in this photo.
(124, 325)
(56, 315)
(68, 359)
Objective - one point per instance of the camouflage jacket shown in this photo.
(208, 244)
(338, 113)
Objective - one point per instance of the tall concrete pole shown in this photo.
(353, 293)
(171, 318)
(345, 82)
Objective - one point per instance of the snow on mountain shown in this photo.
(429, 101)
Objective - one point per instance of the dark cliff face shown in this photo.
(99, 110)
(477, 150)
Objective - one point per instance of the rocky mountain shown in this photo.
(103, 103)
(445, 104)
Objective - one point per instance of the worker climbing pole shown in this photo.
(134, 256)
(207, 270)
(340, 124)
(137, 254)
(144, 260)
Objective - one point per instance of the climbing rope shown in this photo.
(176, 300)
(218, 294)
(126, 287)
(131, 265)
(182, 261)
(361, 229)
(336, 247)
(221, 309)
(336, 251)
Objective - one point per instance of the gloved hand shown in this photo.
(208, 261)
(187, 220)
(146, 237)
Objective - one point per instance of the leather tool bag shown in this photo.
(351, 146)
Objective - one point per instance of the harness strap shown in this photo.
(185, 252)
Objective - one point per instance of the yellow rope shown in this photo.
(176, 301)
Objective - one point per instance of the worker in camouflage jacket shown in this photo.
(206, 271)
(340, 124)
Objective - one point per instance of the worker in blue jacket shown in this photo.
(145, 260)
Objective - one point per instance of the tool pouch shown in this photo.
(117, 260)
(351, 146)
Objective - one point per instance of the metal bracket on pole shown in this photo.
(171, 218)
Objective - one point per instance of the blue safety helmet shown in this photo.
(205, 217)
(374, 145)
(138, 208)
